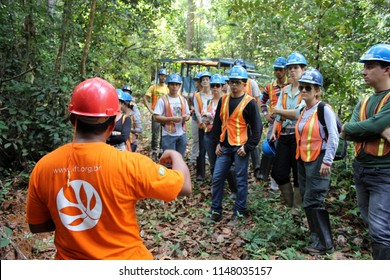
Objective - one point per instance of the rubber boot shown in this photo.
(321, 223)
(297, 202)
(380, 252)
(265, 167)
(313, 240)
(288, 194)
(255, 156)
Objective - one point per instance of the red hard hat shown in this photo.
(94, 97)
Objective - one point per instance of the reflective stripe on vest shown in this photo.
(170, 126)
(248, 88)
(378, 147)
(309, 143)
(234, 124)
(200, 105)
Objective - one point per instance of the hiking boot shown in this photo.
(233, 221)
(216, 217)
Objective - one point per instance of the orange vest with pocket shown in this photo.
(234, 125)
(378, 147)
(309, 143)
(170, 126)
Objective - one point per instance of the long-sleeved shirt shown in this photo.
(266, 95)
(371, 128)
(252, 118)
(292, 104)
(330, 146)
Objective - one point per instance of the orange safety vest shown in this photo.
(248, 88)
(309, 143)
(209, 126)
(378, 147)
(284, 105)
(170, 126)
(234, 124)
(200, 105)
(272, 95)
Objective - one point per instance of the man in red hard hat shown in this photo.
(86, 191)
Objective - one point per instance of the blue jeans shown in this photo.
(177, 143)
(221, 169)
(373, 199)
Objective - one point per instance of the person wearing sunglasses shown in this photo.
(235, 113)
(369, 129)
(315, 153)
(252, 89)
(216, 83)
(286, 112)
(201, 99)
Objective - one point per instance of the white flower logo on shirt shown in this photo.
(79, 206)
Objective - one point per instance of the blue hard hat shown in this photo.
(240, 62)
(174, 78)
(238, 72)
(296, 58)
(268, 148)
(226, 78)
(204, 74)
(197, 76)
(280, 62)
(127, 88)
(312, 76)
(127, 96)
(217, 80)
(162, 71)
(121, 94)
(379, 52)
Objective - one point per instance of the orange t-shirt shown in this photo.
(95, 217)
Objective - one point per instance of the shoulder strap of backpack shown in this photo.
(321, 117)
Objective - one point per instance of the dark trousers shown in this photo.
(201, 159)
(285, 160)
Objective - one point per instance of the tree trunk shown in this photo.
(51, 5)
(64, 35)
(87, 39)
(29, 34)
(190, 24)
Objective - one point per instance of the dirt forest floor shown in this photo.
(182, 230)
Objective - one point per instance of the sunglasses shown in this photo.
(215, 85)
(307, 88)
(235, 82)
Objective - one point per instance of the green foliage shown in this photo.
(5, 236)
(275, 232)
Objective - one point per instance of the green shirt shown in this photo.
(370, 128)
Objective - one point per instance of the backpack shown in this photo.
(341, 151)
